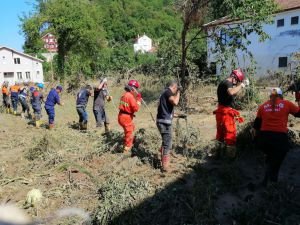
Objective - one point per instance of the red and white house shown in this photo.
(50, 42)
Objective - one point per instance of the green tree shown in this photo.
(76, 25)
(252, 14)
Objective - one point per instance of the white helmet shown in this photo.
(276, 91)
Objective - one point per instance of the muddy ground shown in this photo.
(85, 170)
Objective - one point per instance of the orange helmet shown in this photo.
(238, 75)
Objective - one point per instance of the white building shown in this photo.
(275, 54)
(143, 44)
(17, 66)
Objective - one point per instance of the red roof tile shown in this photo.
(288, 4)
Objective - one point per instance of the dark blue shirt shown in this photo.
(165, 108)
(36, 99)
(52, 99)
(82, 97)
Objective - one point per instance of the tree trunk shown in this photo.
(184, 74)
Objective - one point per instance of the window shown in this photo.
(8, 74)
(213, 68)
(283, 61)
(27, 75)
(19, 74)
(280, 23)
(37, 74)
(17, 60)
(231, 36)
(294, 20)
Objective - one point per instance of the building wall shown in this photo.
(144, 44)
(283, 43)
(7, 65)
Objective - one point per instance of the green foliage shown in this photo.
(96, 36)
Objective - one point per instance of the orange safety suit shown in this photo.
(5, 90)
(226, 128)
(128, 106)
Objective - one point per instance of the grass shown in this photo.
(86, 169)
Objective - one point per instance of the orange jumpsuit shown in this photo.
(226, 129)
(128, 106)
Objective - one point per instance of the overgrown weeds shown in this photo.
(45, 150)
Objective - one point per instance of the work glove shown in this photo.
(109, 98)
(104, 80)
(245, 83)
(139, 97)
(240, 119)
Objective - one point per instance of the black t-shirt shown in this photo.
(99, 98)
(224, 98)
(165, 108)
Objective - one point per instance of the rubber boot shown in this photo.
(51, 126)
(231, 151)
(7, 110)
(15, 113)
(38, 123)
(218, 150)
(107, 128)
(127, 150)
(165, 163)
(84, 126)
(10, 111)
(80, 125)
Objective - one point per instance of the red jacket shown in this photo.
(128, 103)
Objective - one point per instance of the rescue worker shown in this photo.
(37, 98)
(5, 96)
(100, 95)
(53, 98)
(165, 112)
(81, 103)
(226, 115)
(129, 104)
(295, 87)
(23, 97)
(271, 122)
(14, 96)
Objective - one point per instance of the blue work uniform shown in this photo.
(52, 99)
(81, 103)
(14, 95)
(36, 102)
(23, 99)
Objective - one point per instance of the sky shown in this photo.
(10, 11)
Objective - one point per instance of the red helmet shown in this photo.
(134, 83)
(238, 74)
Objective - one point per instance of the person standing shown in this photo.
(23, 98)
(129, 104)
(81, 103)
(14, 95)
(165, 112)
(100, 95)
(271, 122)
(53, 98)
(225, 114)
(36, 101)
(5, 96)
